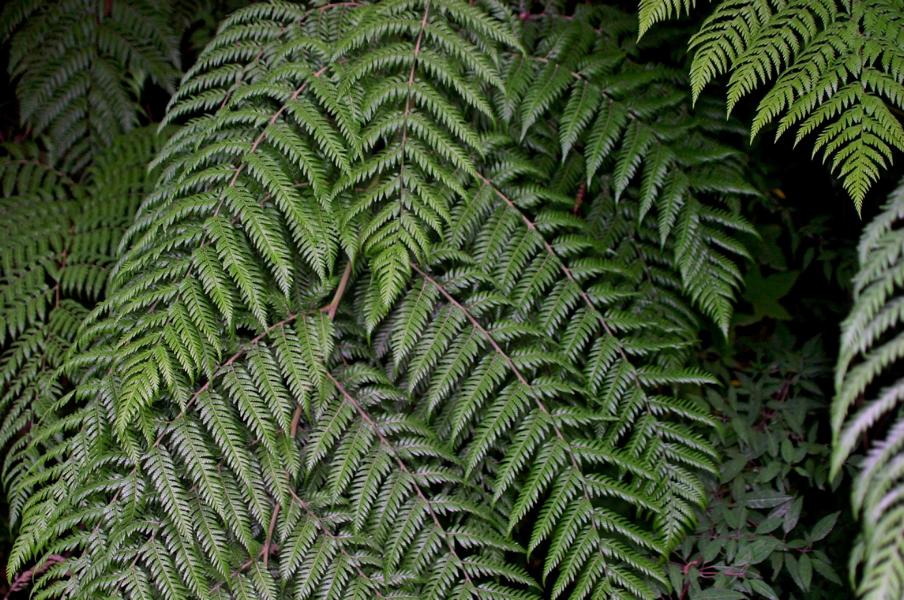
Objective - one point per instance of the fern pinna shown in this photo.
(388, 325)
(632, 120)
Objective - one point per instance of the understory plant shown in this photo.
(765, 528)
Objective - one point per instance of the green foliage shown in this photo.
(632, 122)
(586, 434)
(869, 400)
(55, 266)
(229, 409)
(760, 537)
(834, 70)
(80, 66)
(410, 308)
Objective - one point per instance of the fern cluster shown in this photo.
(55, 268)
(408, 308)
(80, 65)
(358, 342)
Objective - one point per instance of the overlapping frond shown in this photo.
(632, 122)
(240, 222)
(362, 340)
(833, 71)
(410, 493)
(526, 347)
(422, 73)
(869, 401)
(79, 66)
(55, 262)
(286, 475)
(209, 361)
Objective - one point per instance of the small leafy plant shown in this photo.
(764, 530)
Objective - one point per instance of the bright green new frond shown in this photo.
(833, 71)
(869, 366)
(651, 12)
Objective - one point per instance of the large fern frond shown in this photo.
(366, 339)
(632, 122)
(420, 94)
(525, 350)
(212, 312)
(369, 505)
(869, 400)
(239, 224)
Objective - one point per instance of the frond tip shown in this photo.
(651, 12)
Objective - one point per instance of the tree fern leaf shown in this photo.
(651, 12)
(606, 131)
(830, 68)
(870, 346)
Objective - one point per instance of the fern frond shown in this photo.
(419, 94)
(366, 339)
(212, 311)
(651, 12)
(248, 186)
(633, 121)
(869, 363)
(495, 381)
(834, 70)
(54, 269)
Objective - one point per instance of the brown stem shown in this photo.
(475, 323)
(333, 306)
(266, 548)
(579, 198)
(24, 578)
(296, 420)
